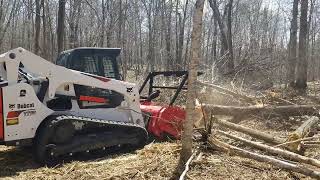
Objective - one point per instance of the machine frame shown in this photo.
(29, 82)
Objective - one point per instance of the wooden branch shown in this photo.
(298, 140)
(263, 158)
(311, 142)
(310, 145)
(278, 151)
(240, 111)
(301, 132)
(254, 133)
(304, 129)
(184, 173)
(284, 100)
(228, 92)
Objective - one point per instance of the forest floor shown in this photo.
(158, 160)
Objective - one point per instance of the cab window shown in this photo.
(108, 67)
(62, 59)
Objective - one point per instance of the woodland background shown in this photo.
(249, 40)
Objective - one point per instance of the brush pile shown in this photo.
(222, 131)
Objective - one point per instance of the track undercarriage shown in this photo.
(66, 135)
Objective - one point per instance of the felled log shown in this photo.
(301, 132)
(304, 145)
(311, 142)
(254, 133)
(263, 158)
(240, 111)
(228, 92)
(273, 150)
(297, 141)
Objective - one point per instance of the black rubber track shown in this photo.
(43, 142)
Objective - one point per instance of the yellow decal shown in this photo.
(12, 121)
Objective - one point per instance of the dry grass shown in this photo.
(155, 161)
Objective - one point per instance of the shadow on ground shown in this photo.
(14, 160)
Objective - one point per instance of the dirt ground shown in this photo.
(158, 160)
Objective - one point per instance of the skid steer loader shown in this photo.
(61, 111)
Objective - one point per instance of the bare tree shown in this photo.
(6, 21)
(186, 139)
(181, 34)
(217, 16)
(37, 28)
(45, 36)
(60, 27)
(73, 21)
(229, 37)
(103, 23)
(301, 79)
(292, 55)
(167, 11)
(150, 17)
(225, 40)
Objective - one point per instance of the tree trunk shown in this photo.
(37, 28)
(44, 31)
(119, 37)
(302, 132)
(74, 17)
(301, 80)
(168, 38)
(214, 43)
(181, 35)
(60, 27)
(103, 24)
(224, 40)
(229, 38)
(178, 21)
(292, 55)
(217, 17)
(186, 139)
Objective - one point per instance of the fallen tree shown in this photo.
(254, 133)
(215, 143)
(240, 111)
(301, 132)
(274, 150)
(297, 141)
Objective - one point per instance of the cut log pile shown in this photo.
(285, 153)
